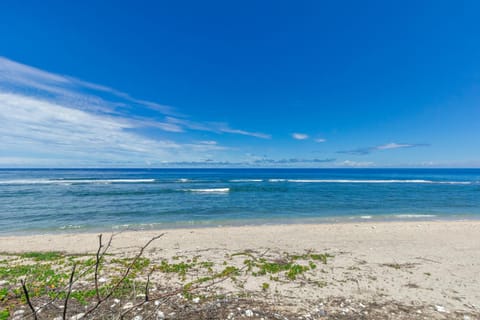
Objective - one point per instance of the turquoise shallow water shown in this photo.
(39, 201)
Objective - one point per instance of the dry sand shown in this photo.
(415, 263)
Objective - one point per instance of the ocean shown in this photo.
(80, 200)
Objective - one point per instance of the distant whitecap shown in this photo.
(211, 190)
(414, 216)
(74, 181)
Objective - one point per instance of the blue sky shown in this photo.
(250, 83)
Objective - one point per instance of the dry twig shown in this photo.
(27, 297)
(70, 284)
(122, 279)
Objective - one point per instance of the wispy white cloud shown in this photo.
(355, 164)
(393, 145)
(222, 127)
(320, 140)
(49, 118)
(264, 162)
(216, 127)
(300, 136)
(208, 142)
(76, 93)
(388, 146)
(43, 129)
(91, 97)
(293, 161)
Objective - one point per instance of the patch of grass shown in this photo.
(3, 293)
(42, 256)
(180, 268)
(4, 314)
(289, 265)
(206, 264)
(265, 286)
(322, 257)
(39, 273)
(139, 265)
(47, 274)
(42, 278)
(296, 270)
(229, 271)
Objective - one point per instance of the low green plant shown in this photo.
(289, 265)
(265, 286)
(3, 293)
(42, 256)
(4, 314)
(180, 268)
(295, 270)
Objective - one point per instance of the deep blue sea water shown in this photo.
(53, 200)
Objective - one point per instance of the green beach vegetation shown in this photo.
(34, 282)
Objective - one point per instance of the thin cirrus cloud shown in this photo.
(300, 136)
(293, 161)
(304, 136)
(215, 127)
(355, 164)
(388, 146)
(51, 118)
(264, 162)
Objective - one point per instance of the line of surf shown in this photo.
(210, 190)
(418, 181)
(74, 181)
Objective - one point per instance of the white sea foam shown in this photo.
(74, 181)
(246, 180)
(453, 182)
(183, 180)
(212, 190)
(414, 216)
(368, 181)
(366, 217)
(70, 226)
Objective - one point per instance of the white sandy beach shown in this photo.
(414, 263)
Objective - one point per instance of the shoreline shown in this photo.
(8, 242)
(329, 220)
(429, 263)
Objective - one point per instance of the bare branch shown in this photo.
(99, 258)
(70, 284)
(27, 297)
(83, 273)
(148, 283)
(124, 276)
(97, 266)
